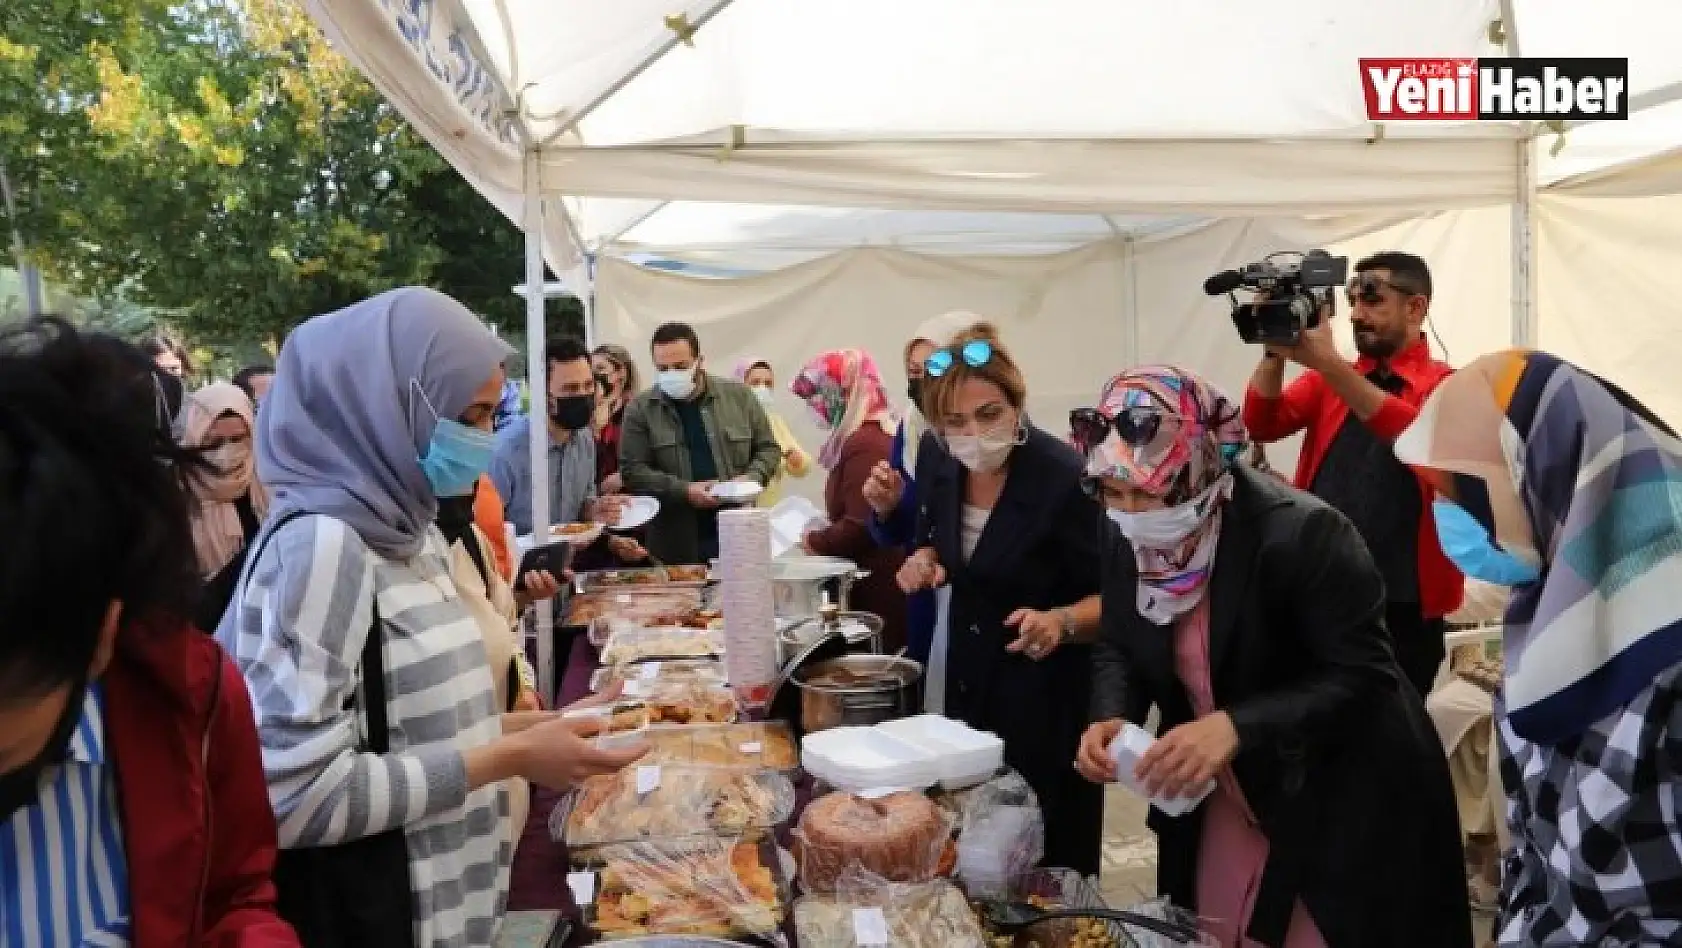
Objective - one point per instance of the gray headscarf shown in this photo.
(342, 430)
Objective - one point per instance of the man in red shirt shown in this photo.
(1351, 415)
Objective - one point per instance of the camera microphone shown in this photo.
(1223, 282)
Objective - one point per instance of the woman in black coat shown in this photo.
(1251, 616)
(1003, 520)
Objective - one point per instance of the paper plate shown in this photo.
(571, 533)
(736, 492)
(638, 511)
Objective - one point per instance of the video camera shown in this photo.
(1289, 294)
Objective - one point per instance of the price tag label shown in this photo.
(650, 671)
(633, 688)
(870, 928)
(753, 747)
(583, 886)
(648, 778)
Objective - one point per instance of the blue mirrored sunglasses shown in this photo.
(975, 353)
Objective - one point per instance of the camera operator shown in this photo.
(1351, 414)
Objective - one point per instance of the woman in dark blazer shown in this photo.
(1251, 616)
(1003, 520)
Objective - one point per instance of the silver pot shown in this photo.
(862, 630)
(799, 584)
(887, 690)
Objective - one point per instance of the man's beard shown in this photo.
(1376, 346)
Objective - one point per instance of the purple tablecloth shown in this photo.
(539, 878)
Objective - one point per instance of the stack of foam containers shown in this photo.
(746, 598)
(912, 754)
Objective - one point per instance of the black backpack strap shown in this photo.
(373, 683)
(248, 520)
(470, 540)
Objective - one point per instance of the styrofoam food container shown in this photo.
(856, 759)
(966, 756)
(1130, 745)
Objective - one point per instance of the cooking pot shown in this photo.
(882, 688)
(862, 631)
(799, 584)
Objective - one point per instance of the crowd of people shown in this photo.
(262, 679)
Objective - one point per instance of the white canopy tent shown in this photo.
(595, 125)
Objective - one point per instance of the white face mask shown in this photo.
(982, 454)
(1163, 529)
(763, 393)
(678, 383)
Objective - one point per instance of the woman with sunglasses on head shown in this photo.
(1562, 487)
(844, 391)
(1251, 615)
(1003, 521)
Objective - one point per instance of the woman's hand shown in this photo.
(1037, 633)
(626, 549)
(922, 570)
(558, 754)
(1094, 761)
(883, 489)
(1183, 761)
(537, 585)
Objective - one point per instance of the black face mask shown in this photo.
(573, 412)
(19, 788)
(914, 391)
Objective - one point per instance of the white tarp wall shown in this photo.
(1066, 317)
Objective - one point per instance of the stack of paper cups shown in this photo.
(745, 598)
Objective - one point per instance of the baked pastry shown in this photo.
(689, 703)
(634, 644)
(687, 802)
(686, 574)
(902, 837)
(932, 915)
(716, 890)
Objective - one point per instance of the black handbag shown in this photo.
(354, 894)
(219, 590)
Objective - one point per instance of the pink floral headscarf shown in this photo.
(1196, 436)
(844, 390)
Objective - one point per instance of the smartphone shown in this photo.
(554, 557)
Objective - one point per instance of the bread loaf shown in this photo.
(902, 837)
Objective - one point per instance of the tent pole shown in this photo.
(1525, 331)
(1130, 297)
(532, 223)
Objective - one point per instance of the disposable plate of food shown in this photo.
(638, 510)
(634, 643)
(620, 723)
(715, 888)
(651, 675)
(648, 801)
(578, 534)
(751, 746)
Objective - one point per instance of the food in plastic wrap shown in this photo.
(1001, 834)
(650, 801)
(663, 606)
(901, 837)
(649, 675)
(714, 888)
(632, 643)
(749, 746)
(928, 915)
(643, 576)
(616, 719)
(689, 703)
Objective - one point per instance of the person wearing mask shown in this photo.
(892, 495)
(616, 385)
(351, 636)
(687, 434)
(570, 405)
(227, 504)
(1565, 489)
(1003, 521)
(254, 380)
(756, 374)
(132, 806)
(1252, 617)
(845, 393)
(1349, 415)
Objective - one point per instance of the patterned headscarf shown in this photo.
(844, 390)
(1188, 459)
(1560, 468)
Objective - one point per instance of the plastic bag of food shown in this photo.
(629, 642)
(709, 887)
(1001, 835)
(921, 915)
(750, 746)
(663, 606)
(652, 801)
(900, 837)
(648, 675)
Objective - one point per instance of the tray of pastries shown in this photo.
(685, 702)
(658, 674)
(717, 888)
(662, 605)
(643, 577)
(630, 644)
(927, 915)
(751, 746)
(657, 802)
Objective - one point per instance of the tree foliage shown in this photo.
(219, 161)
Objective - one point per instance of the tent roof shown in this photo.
(1063, 107)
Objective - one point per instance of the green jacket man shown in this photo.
(689, 432)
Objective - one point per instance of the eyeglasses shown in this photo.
(975, 353)
(1368, 288)
(1137, 426)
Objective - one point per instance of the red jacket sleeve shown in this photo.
(1273, 419)
(1395, 415)
(239, 904)
(848, 535)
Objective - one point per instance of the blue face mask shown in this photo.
(458, 454)
(1468, 546)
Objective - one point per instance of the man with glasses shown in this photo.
(1350, 414)
(571, 403)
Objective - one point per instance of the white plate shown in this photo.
(736, 492)
(526, 542)
(638, 511)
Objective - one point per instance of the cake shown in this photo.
(901, 837)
